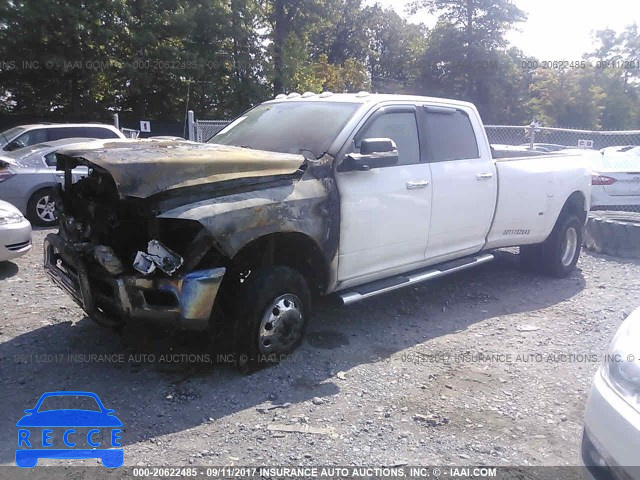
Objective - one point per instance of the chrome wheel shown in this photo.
(46, 209)
(569, 246)
(282, 324)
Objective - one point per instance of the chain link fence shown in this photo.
(202, 130)
(205, 129)
(622, 192)
(558, 138)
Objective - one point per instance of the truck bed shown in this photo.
(526, 209)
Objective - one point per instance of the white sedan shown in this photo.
(611, 438)
(616, 179)
(15, 232)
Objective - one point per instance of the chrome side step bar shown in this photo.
(389, 284)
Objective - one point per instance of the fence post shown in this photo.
(116, 121)
(533, 126)
(190, 125)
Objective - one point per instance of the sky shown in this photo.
(555, 29)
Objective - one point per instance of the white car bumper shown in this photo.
(15, 240)
(600, 198)
(611, 438)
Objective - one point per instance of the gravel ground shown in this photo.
(397, 379)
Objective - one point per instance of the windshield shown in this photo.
(27, 151)
(69, 402)
(308, 128)
(8, 135)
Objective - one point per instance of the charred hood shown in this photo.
(142, 168)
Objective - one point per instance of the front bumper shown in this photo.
(15, 240)
(611, 438)
(185, 299)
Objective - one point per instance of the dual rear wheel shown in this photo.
(557, 255)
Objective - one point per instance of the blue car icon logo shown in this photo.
(87, 431)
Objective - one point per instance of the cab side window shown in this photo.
(402, 128)
(59, 133)
(449, 136)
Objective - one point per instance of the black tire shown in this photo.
(276, 295)
(530, 257)
(557, 255)
(614, 233)
(35, 213)
(107, 321)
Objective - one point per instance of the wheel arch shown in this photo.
(38, 187)
(578, 204)
(293, 249)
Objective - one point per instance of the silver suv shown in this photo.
(27, 135)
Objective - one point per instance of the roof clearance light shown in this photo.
(280, 96)
(308, 94)
(362, 93)
(325, 94)
(293, 95)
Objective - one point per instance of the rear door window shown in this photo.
(449, 135)
(60, 133)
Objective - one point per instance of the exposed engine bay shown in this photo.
(109, 256)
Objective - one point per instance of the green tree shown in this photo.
(61, 53)
(339, 31)
(568, 98)
(468, 33)
(396, 48)
(616, 57)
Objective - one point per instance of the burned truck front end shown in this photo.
(119, 261)
(169, 230)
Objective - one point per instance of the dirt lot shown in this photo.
(397, 379)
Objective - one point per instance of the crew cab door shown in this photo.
(465, 183)
(385, 211)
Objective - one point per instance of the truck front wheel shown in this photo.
(557, 255)
(272, 313)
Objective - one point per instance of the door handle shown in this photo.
(418, 184)
(484, 176)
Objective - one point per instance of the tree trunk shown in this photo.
(279, 37)
(470, 58)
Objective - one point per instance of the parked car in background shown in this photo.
(28, 175)
(616, 179)
(611, 437)
(15, 232)
(27, 135)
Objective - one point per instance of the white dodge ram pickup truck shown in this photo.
(345, 194)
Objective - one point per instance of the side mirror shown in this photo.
(374, 153)
(377, 145)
